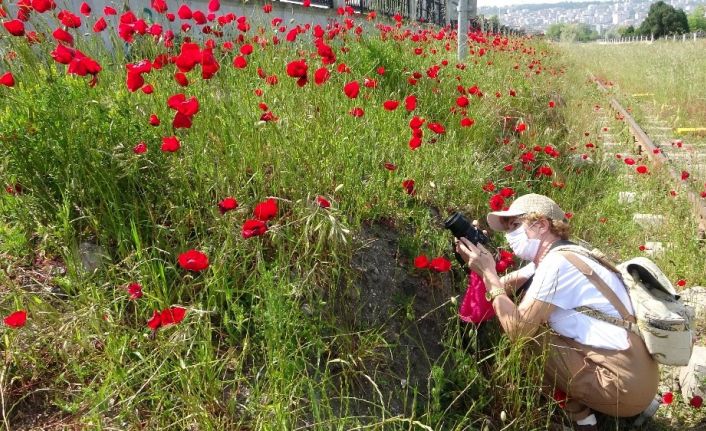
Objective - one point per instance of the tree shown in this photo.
(494, 23)
(554, 31)
(571, 32)
(697, 19)
(662, 19)
(627, 31)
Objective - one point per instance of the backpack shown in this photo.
(661, 319)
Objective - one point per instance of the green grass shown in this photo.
(276, 335)
(667, 76)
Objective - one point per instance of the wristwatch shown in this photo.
(494, 293)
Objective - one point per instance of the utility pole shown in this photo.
(464, 8)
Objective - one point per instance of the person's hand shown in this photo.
(477, 257)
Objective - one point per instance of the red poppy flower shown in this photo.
(179, 103)
(681, 283)
(321, 75)
(357, 112)
(408, 186)
(415, 142)
(159, 5)
(467, 122)
(170, 144)
(184, 12)
(227, 204)
(62, 35)
(108, 10)
(642, 169)
(696, 401)
(15, 27)
(297, 69)
(501, 266)
(100, 25)
(85, 9)
(421, 261)
(140, 148)
(42, 6)
(436, 128)
(253, 228)
(545, 170)
(171, 316)
(16, 319)
(154, 120)
(155, 321)
(380, 70)
(684, 175)
(134, 291)
(496, 202)
(267, 8)
(488, 187)
(214, 5)
(462, 101)
(629, 161)
(440, 264)
(521, 127)
(181, 121)
(323, 202)
(507, 192)
(370, 83)
(390, 105)
(667, 398)
(69, 19)
(351, 89)
(239, 62)
(410, 103)
(266, 210)
(507, 256)
(7, 79)
(560, 397)
(193, 260)
(508, 168)
(390, 166)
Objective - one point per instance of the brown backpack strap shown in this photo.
(601, 285)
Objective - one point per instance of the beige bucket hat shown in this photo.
(525, 204)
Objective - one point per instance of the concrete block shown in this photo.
(692, 376)
(654, 249)
(626, 197)
(695, 297)
(648, 220)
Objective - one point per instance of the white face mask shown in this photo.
(523, 247)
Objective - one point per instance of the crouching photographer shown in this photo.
(600, 366)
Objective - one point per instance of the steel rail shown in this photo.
(656, 155)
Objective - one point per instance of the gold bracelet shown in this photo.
(494, 293)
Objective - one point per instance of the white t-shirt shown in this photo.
(558, 282)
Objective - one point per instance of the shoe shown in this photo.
(555, 426)
(649, 412)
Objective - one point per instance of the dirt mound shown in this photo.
(407, 311)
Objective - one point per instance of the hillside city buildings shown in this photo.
(601, 15)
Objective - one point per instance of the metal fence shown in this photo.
(429, 11)
(674, 38)
(432, 11)
(384, 7)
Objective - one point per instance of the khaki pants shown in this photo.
(616, 383)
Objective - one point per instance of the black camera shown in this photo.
(460, 227)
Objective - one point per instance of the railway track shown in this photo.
(676, 156)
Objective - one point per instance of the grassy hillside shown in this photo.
(309, 312)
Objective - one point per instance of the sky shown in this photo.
(516, 2)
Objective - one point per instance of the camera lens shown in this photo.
(457, 224)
